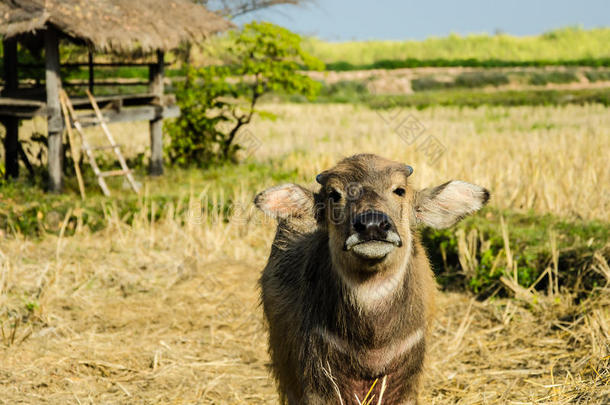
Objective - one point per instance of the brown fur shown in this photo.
(333, 329)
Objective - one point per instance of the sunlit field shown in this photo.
(546, 159)
(561, 44)
(164, 308)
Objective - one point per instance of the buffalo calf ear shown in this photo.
(285, 201)
(443, 206)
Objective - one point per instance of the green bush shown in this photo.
(340, 66)
(463, 80)
(195, 137)
(481, 79)
(542, 78)
(217, 102)
(429, 83)
(344, 91)
(598, 75)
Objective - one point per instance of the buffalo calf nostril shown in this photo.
(359, 227)
(372, 223)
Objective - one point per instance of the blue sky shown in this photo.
(343, 20)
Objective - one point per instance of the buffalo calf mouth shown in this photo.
(372, 249)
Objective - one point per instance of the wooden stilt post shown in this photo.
(54, 120)
(11, 83)
(91, 76)
(11, 147)
(156, 125)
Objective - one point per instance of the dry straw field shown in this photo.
(166, 311)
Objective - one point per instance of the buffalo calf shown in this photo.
(348, 291)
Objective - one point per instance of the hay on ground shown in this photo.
(165, 313)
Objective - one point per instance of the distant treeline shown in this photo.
(474, 63)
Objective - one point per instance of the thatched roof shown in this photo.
(117, 25)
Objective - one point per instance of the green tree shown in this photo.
(218, 101)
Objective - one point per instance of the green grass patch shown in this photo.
(427, 83)
(355, 92)
(463, 80)
(346, 92)
(530, 245)
(26, 209)
(598, 75)
(542, 78)
(470, 98)
(481, 79)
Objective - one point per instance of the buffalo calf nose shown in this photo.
(372, 224)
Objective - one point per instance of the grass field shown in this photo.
(570, 45)
(160, 305)
(556, 45)
(164, 313)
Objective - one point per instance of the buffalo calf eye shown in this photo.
(335, 195)
(399, 191)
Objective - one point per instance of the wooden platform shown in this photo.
(20, 108)
(146, 113)
(117, 108)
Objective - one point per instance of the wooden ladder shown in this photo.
(70, 115)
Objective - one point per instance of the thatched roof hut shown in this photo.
(118, 26)
(113, 25)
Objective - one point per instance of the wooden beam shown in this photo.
(54, 120)
(156, 125)
(91, 75)
(108, 83)
(124, 99)
(14, 107)
(85, 64)
(22, 108)
(147, 113)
